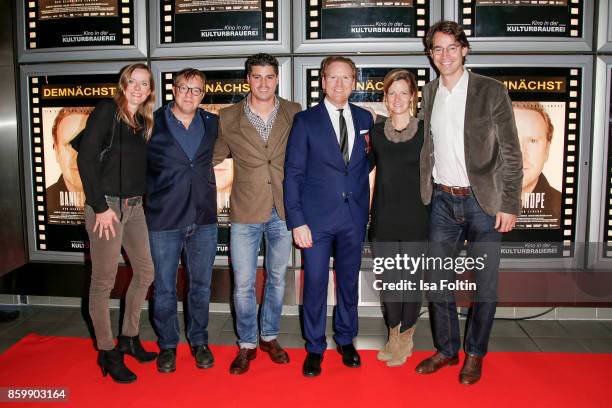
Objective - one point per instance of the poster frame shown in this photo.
(528, 44)
(302, 64)
(220, 48)
(604, 27)
(356, 45)
(583, 62)
(27, 71)
(599, 164)
(87, 53)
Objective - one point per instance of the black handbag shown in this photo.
(76, 142)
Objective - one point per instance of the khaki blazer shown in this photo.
(492, 150)
(258, 166)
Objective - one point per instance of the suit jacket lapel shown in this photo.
(358, 141)
(330, 134)
(471, 98)
(279, 128)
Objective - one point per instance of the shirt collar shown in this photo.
(460, 86)
(247, 108)
(332, 108)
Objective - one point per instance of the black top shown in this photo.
(123, 171)
(398, 214)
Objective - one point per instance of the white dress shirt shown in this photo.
(334, 115)
(447, 122)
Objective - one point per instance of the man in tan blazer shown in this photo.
(471, 173)
(255, 131)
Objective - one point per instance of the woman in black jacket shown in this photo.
(112, 165)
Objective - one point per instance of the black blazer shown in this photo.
(180, 192)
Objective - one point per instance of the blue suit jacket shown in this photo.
(317, 182)
(180, 192)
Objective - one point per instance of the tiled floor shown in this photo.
(535, 335)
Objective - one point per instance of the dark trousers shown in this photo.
(455, 219)
(131, 233)
(346, 239)
(401, 307)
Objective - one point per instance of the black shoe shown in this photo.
(132, 346)
(166, 362)
(111, 362)
(350, 357)
(312, 365)
(203, 356)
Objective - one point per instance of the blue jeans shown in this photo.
(455, 219)
(200, 245)
(245, 240)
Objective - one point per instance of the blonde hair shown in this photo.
(145, 110)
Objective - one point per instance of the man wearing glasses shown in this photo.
(471, 173)
(181, 209)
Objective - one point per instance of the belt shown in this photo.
(456, 191)
(131, 201)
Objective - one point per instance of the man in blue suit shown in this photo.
(326, 196)
(181, 209)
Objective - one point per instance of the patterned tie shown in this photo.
(343, 138)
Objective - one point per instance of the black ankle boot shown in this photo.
(111, 362)
(133, 347)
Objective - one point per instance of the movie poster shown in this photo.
(522, 18)
(222, 88)
(201, 21)
(78, 23)
(60, 106)
(368, 94)
(546, 109)
(337, 19)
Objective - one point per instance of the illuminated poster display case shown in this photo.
(55, 103)
(600, 226)
(525, 25)
(551, 98)
(604, 26)
(219, 27)
(362, 26)
(59, 30)
(225, 85)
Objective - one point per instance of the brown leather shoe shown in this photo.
(472, 369)
(434, 363)
(240, 365)
(276, 352)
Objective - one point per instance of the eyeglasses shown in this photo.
(185, 89)
(451, 49)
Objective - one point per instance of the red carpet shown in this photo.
(510, 380)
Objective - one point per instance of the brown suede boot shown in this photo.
(385, 353)
(403, 348)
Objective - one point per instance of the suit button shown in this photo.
(269, 161)
(269, 182)
(191, 165)
(266, 146)
(346, 173)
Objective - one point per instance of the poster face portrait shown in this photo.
(64, 190)
(542, 150)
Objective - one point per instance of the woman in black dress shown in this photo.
(400, 220)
